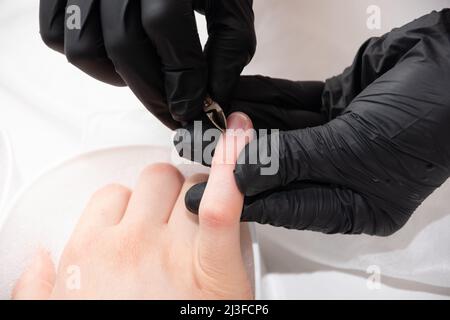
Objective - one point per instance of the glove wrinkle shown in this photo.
(385, 149)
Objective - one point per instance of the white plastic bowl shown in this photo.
(44, 213)
(9, 177)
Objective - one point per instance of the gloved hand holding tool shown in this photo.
(153, 47)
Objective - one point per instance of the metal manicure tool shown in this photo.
(215, 114)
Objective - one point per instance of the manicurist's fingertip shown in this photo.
(194, 196)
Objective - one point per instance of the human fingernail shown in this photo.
(239, 120)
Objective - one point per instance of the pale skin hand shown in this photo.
(146, 245)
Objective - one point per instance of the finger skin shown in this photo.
(220, 209)
(38, 280)
(154, 197)
(105, 208)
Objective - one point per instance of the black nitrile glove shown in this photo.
(270, 103)
(367, 170)
(153, 47)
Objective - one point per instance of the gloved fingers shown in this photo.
(230, 47)
(51, 23)
(196, 141)
(274, 116)
(279, 104)
(379, 55)
(181, 218)
(193, 197)
(310, 206)
(171, 26)
(372, 148)
(338, 152)
(285, 94)
(328, 209)
(270, 162)
(84, 46)
(134, 56)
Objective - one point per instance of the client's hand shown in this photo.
(145, 244)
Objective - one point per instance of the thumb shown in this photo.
(37, 282)
(221, 206)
